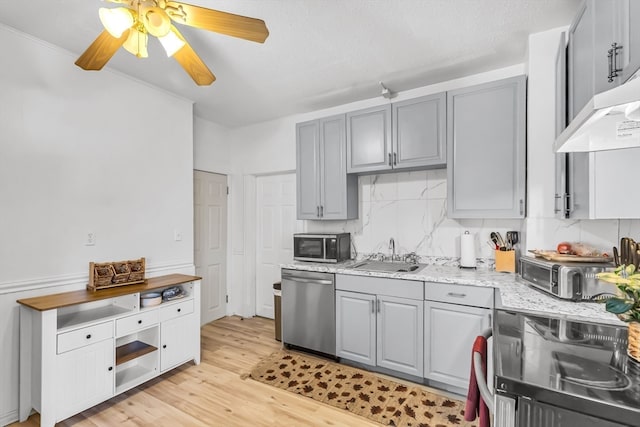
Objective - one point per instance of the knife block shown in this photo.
(506, 261)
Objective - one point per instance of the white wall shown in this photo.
(83, 152)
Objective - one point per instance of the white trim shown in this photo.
(9, 418)
(186, 267)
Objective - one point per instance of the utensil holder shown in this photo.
(506, 261)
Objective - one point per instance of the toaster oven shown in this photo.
(567, 280)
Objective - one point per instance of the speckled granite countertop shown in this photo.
(513, 293)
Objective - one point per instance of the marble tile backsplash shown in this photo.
(411, 208)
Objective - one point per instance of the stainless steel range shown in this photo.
(554, 372)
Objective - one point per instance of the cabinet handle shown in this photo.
(378, 303)
(395, 159)
(88, 336)
(318, 211)
(521, 207)
(179, 310)
(389, 159)
(612, 56)
(373, 306)
(139, 322)
(456, 295)
(321, 211)
(164, 346)
(110, 368)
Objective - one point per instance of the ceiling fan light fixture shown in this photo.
(136, 43)
(116, 20)
(157, 22)
(171, 43)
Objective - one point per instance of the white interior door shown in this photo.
(276, 215)
(210, 242)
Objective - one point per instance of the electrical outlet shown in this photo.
(177, 236)
(91, 239)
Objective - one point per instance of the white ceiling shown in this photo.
(319, 54)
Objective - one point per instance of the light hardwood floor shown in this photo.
(214, 393)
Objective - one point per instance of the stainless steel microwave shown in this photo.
(322, 247)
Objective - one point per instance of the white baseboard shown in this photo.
(8, 418)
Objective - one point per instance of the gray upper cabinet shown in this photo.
(406, 134)
(419, 132)
(486, 148)
(324, 190)
(369, 140)
(603, 50)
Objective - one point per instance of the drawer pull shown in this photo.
(88, 336)
(164, 346)
(456, 295)
(139, 322)
(179, 310)
(110, 368)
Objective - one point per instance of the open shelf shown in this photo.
(133, 376)
(132, 350)
(76, 318)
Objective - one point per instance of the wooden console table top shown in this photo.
(65, 299)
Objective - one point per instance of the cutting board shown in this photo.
(555, 256)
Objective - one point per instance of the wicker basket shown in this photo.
(122, 272)
(136, 269)
(633, 348)
(103, 274)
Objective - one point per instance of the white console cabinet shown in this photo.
(80, 348)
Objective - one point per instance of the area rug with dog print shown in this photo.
(359, 391)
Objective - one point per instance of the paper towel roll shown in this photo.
(467, 250)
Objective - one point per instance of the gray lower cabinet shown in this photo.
(379, 330)
(403, 135)
(486, 150)
(324, 190)
(454, 315)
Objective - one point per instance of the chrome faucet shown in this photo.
(392, 248)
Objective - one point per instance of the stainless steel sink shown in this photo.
(388, 266)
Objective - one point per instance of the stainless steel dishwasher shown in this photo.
(308, 311)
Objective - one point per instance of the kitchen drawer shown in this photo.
(137, 322)
(176, 310)
(84, 336)
(475, 296)
(401, 288)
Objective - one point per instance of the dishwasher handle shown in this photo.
(481, 378)
(312, 281)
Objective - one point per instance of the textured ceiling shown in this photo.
(320, 53)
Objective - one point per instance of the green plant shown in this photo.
(626, 304)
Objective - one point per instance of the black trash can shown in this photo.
(277, 309)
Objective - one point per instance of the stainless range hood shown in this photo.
(609, 121)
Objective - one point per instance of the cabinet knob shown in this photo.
(139, 322)
(179, 310)
(164, 346)
(110, 368)
(88, 336)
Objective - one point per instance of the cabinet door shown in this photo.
(334, 191)
(630, 53)
(450, 331)
(595, 28)
(400, 335)
(369, 140)
(486, 150)
(561, 123)
(419, 127)
(356, 327)
(84, 378)
(307, 169)
(177, 341)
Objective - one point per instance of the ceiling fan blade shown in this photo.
(220, 22)
(191, 62)
(101, 51)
